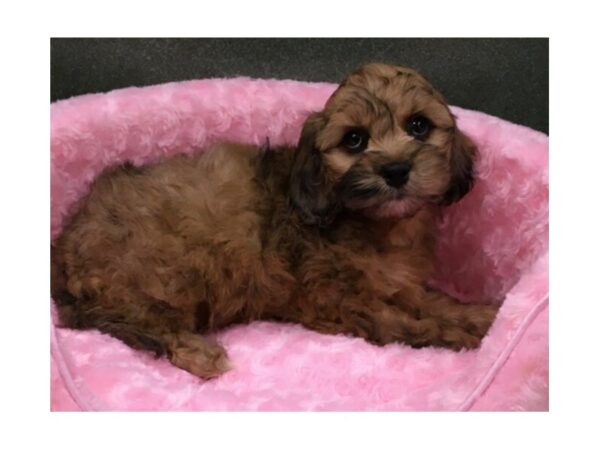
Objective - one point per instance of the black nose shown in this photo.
(396, 173)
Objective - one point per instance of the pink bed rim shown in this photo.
(493, 247)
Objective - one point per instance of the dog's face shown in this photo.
(385, 143)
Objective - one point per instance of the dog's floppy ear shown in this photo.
(462, 161)
(310, 191)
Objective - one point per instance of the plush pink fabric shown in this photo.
(493, 247)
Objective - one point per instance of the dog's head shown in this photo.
(385, 143)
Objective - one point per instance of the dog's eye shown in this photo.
(418, 127)
(356, 140)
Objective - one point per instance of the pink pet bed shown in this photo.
(493, 247)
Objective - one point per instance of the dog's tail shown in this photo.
(58, 279)
(67, 305)
(86, 313)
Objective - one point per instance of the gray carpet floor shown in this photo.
(503, 77)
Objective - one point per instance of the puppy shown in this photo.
(336, 234)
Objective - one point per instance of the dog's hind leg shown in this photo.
(150, 325)
(197, 354)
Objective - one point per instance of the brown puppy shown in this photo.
(336, 235)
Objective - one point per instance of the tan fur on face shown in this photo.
(381, 99)
(159, 255)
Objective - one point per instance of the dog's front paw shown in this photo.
(456, 338)
(479, 319)
(468, 331)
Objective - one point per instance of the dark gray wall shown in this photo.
(503, 77)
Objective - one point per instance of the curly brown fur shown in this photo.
(321, 235)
